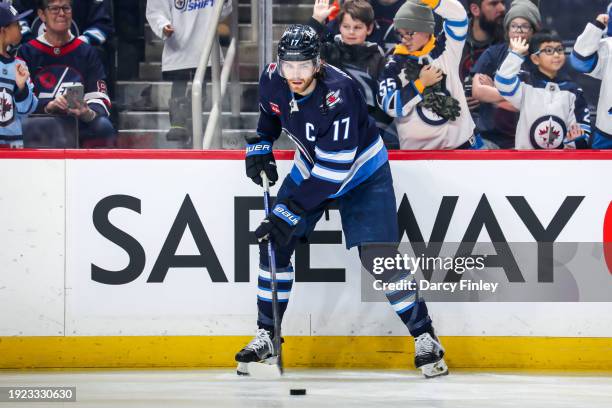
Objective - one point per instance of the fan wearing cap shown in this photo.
(17, 98)
(420, 85)
(498, 119)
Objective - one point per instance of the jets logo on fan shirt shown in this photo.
(7, 112)
(548, 133)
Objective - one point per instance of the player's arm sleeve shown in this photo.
(455, 23)
(335, 153)
(159, 15)
(25, 100)
(590, 53)
(269, 125)
(99, 26)
(95, 92)
(393, 98)
(507, 81)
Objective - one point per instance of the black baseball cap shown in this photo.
(9, 14)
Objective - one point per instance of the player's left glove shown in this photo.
(281, 223)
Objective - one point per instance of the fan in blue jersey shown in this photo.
(58, 60)
(340, 157)
(17, 98)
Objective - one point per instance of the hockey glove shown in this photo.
(281, 223)
(259, 158)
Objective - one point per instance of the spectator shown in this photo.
(361, 60)
(591, 56)
(554, 113)
(420, 85)
(58, 59)
(486, 29)
(382, 34)
(17, 92)
(182, 29)
(91, 21)
(497, 118)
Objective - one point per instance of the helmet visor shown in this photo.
(298, 69)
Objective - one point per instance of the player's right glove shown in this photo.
(259, 158)
(281, 223)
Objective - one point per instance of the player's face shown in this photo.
(413, 40)
(57, 16)
(354, 32)
(299, 75)
(550, 57)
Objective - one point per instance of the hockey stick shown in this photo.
(272, 263)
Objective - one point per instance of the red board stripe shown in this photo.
(132, 154)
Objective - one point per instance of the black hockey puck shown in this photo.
(297, 391)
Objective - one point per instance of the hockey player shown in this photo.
(554, 113)
(58, 59)
(339, 156)
(182, 25)
(360, 59)
(421, 86)
(17, 92)
(591, 56)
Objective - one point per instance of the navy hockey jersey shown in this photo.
(53, 68)
(14, 104)
(91, 20)
(338, 145)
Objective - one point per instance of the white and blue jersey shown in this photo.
(338, 145)
(15, 104)
(418, 127)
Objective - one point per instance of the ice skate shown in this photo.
(428, 356)
(260, 351)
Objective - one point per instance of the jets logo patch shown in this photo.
(548, 132)
(332, 99)
(7, 111)
(275, 108)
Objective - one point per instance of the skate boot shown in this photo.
(259, 350)
(428, 355)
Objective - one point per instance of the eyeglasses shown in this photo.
(405, 34)
(521, 28)
(56, 9)
(551, 50)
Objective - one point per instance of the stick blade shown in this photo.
(265, 370)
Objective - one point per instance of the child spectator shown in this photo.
(182, 26)
(420, 85)
(360, 59)
(497, 117)
(16, 90)
(591, 56)
(553, 111)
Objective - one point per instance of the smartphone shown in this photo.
(74, 95)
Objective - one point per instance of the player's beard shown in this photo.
(301, 89)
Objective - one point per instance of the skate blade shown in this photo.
(436, 369)
(265, 370)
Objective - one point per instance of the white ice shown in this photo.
(325, 388)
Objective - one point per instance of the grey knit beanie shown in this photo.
(415, 16)
(527, 9)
